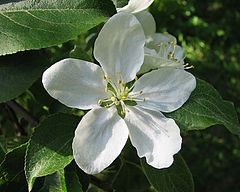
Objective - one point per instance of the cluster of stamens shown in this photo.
(167, 51)
(119, 96)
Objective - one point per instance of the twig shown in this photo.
(101, 184)
(18, 108)
(14, 118)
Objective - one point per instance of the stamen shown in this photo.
(116, 102)
(113, 99)
(124, 107)
(100, 101)
(188, 66)
(136, 99)
(143, 100)
(110, 105)
(181, 60)
(137, 94)
(112, 84)
(133, 85)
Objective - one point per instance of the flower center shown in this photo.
(167, 50)
(119, 96)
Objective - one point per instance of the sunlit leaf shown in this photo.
(36, 24)
(205, 108)
(50, 147)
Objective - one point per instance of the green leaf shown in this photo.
(130, 178)
(120, 3)
(12, 169)
(2, 148)
(176, 178)
(72, 179)
(36, 24)
(205, 108)
(55, 182)
(50, 148)
(18, 73)
(64, 180)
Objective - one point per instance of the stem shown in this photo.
(119, 170)
(101, 184)
(14, 118)
(26, 114)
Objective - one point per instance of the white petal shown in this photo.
(154, 136)
(147, 21)
(99, 139)
(153, 61)
(135, 6)
(119, 47)
(165, 89)
(162, 43)
(157, 51)
(179, 54)
(75, 83)
(158, 38)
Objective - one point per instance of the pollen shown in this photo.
(120, 97)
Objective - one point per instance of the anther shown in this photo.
(188, 66)
(113, 99)
(100, 101)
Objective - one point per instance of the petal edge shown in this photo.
(75, 83)
(99, 139)
(154, 136)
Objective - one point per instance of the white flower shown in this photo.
(135, 6)
(120, 109)
(161, 50)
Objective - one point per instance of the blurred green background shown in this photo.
(209, 33)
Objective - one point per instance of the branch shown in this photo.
(26, 114)
(14, 118)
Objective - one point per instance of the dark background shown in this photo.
(209, 33)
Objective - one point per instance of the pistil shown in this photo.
(120, 97)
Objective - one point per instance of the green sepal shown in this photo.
(130, 102)
(121, 111)
(131, 83)
(106, 104)
(110, 88)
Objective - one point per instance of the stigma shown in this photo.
(119, 96)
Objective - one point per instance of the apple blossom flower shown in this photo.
(135, 6)
(160, 49)
(121, 106)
